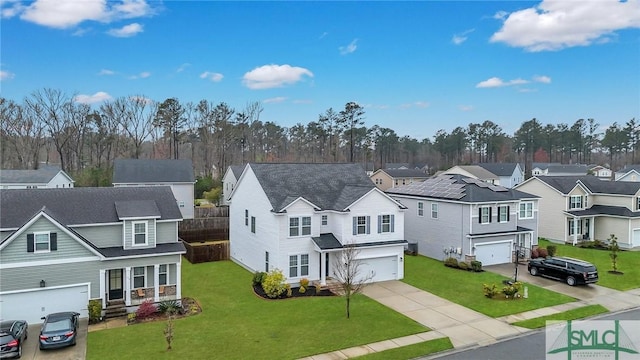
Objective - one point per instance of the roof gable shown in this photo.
(477, 171)
(136, 171)
(500, 169)
(78, 206)
(42, 175)
(405, 173)
(327, 186)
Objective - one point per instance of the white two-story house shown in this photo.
(60, 248)
(46, 177)
(578, 208)
(299, 217)
(453, 215)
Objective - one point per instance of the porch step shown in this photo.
(332, 285)
(115, 309)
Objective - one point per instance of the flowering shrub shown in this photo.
(274, 283)
(145, 310)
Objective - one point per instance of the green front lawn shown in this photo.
(237, 324)
(411, 351)
(465, 288)
(627, 263)
(578, 313)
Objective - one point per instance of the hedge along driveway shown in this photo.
(237, 324)
(465, 288)
(628, 262)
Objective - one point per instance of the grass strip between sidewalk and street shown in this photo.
(573, 314)
(411, 351)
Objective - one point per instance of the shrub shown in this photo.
(552, 249)
(512, 290)
(197, 202)
(318, 288)
(146, 309)
(258, 277)
(274, 283)
(451, 262)
(304, 282)
(489, 290)
(95, 311)
(476, 265)
(131, 317)
(169, 307)
(535, 254)
(542, 252)
(463, 265)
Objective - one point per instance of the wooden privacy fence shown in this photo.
(205, 252)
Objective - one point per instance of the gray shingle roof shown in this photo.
(568, 169)
(78, 206)
(237, 170)
(137, 208)
(40, 176)
(606, 210)
(628, 168)
(118, 251)
(330, 242)
(127, 171)
(328, 186)
(500, 169)
(565, 184)
(459, 188)
(478, 171)
(405, 173)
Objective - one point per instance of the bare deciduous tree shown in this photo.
(348, 270)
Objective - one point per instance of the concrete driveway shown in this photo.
(31, 351)
(592, 293)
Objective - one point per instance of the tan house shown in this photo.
(476, 172)
(389, 178)
(582, 208)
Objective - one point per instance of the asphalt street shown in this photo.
(530, 346)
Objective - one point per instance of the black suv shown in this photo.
(573, 271)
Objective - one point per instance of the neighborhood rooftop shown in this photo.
(126, 171)
(77, 206)
(42, 175)
(327, 186)
(405, 173)
(565, 184)
(459, 188)
(499, 169)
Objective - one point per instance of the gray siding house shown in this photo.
(177, 174)
(60, 248)
(455, 215)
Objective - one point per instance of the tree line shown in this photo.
(50, 126)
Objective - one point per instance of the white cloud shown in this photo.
(81, 31)
(127, 30)
(542, 79)
(303, 101)
(278, 99)
(465, 108)
(497, 82)
(106, 72)
(100, 96)
(6, 75)
(273, 76)
(142, 75)
(462, 37)
(213, 76)
(12, 10)
(555, 25)
(344, 50)
(62, 14)
(418, 104)
(323, 35)
(183, 67)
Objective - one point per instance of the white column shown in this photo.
(156, 280)
(127, 285)
(323, 271)
(103, 288)
(592, 234)
(178, 280)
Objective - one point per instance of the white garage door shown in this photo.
(636, 238)
(34, 304)
(494, 253)
(383, 268)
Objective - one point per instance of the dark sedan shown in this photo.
(12, 334)
(59, 330)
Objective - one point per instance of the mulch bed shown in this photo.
(295, 293)
(190, 306)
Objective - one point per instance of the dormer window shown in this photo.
(140, 233)
(575, 202)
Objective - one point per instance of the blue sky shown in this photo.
(415, 66)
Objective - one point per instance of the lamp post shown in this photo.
(515, 275)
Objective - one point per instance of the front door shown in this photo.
(586, 229)
(115, 284)
(326, 267)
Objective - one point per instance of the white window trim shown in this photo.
(165, 272)
(253, 225)
(506, 213)
(525, 203)
(324, 220)
(35, 242)
(133, 277)
(298, 265)
(579, 202)
(382, 224)
(437, 211)
(420, 209)
(300, 226)
(358, 225)
(481, 214)
(133, 233)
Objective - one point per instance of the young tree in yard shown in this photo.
(348, 271)
(614, 248)
(168, 332)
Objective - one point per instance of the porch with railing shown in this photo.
(165, 292)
